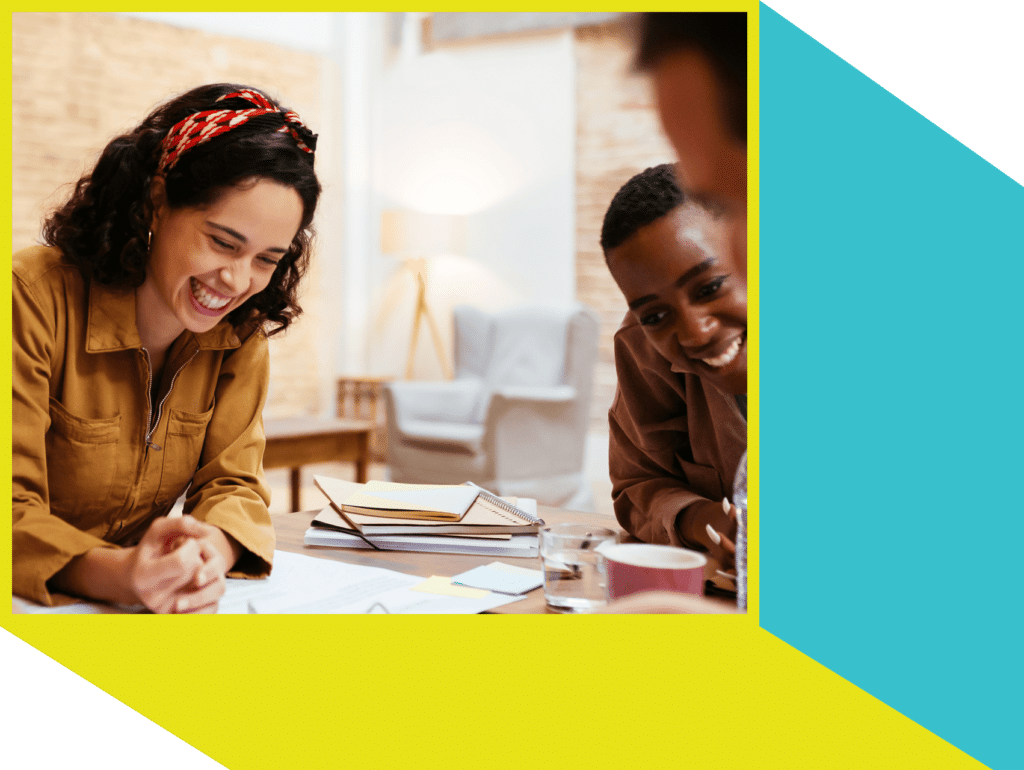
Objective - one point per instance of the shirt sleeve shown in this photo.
(41, 543)
(647, 434)
(228, 489)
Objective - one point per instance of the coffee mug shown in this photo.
(635, 567)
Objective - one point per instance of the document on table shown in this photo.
(78, 608)
(304, 584)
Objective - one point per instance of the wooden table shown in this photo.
(291, 528)
(298, 441)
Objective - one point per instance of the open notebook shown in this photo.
(488, 515)
(491, 526)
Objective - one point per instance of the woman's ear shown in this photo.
(157, 201)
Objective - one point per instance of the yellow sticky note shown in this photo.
(436, 584)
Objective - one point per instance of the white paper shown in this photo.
(79, 608)
(501, 577)
(304, 584)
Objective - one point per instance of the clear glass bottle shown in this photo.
(739, 499)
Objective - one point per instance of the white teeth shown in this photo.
(205, 298)
(727, 356)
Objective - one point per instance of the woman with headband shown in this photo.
(140, 355)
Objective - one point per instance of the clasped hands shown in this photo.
(180, 565)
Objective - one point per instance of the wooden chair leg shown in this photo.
(296, 485)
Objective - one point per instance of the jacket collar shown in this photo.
(112, 325)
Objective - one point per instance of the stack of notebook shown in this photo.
(419, 517)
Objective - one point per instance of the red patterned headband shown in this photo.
(204, 126)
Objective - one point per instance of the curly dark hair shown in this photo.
(720, 36)
(103, 228)
(648, 196)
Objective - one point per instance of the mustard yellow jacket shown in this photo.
(94, 460)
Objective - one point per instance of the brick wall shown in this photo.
(79, 79)
(617, 136)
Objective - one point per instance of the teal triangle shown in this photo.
(892, 268)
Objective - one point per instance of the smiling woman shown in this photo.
(678, 422)
(140, 355)
(205, 262)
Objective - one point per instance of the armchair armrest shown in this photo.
(552, 394)
(536, 431)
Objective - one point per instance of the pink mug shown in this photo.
(635, 567)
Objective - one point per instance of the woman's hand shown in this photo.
(726, 541)
(713, 525)
(180, 565)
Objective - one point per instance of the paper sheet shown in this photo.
(504, 578)
(304, 584)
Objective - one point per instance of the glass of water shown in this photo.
(573, 580)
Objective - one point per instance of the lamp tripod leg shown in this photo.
(420, 305)
(422, 309)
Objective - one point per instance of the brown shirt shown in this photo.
(674, 440)
(95, 459)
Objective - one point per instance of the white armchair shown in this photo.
(515, 418)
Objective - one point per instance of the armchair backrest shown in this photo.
(473, 339)
(526, 345)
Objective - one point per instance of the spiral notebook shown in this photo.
(488, 515)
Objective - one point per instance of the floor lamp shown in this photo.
(416, 236)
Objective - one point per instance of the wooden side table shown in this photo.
(298, 441)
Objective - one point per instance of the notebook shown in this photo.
(488, 515)
(406, 501)
(524, 546)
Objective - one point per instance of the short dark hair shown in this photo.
(648, 196)
(103, 228)
(721, 37)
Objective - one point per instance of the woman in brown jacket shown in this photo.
(678, 421)
(140, 355)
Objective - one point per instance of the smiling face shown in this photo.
(712, 161)
(206, 261)
(677, 277)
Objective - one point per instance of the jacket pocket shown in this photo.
(81, 461)
(182, 450)
(703, 479)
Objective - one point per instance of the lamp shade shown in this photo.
(404, 232)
